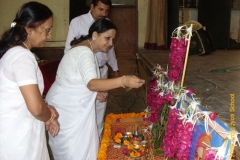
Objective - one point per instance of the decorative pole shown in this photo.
(186, 57)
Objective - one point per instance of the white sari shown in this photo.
(78, 137)
(22, 136)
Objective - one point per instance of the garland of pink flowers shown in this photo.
(177, 58)
(173, 120)
(177, 140)
(160, 99)
(155, 100)
(170, 140)
(184, 138)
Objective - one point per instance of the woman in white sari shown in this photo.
(23, 112)
(75, 90)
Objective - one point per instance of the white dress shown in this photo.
(22, 136)
(75, 103)
(79, 26)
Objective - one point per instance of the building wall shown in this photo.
(60, 8)
(142, 20)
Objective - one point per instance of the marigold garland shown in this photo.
(102, 154)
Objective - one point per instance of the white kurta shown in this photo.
(79, 26)
(75, 103)
(22, 136)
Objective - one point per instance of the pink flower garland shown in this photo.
(154, 100)
(177, 58)
(170, 141)
(177, 139)
(185, 132)
(175, 144)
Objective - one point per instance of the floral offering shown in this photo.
(180, 126)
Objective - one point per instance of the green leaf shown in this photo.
(140, 136)
(156, 144)
(157, 152)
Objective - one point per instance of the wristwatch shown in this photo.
(116, 71)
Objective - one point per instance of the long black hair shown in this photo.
(100, 25)
(32, 15)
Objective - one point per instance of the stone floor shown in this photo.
(213, 77)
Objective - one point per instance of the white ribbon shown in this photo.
(182, 32)
(13, 24)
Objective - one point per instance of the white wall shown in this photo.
(60, 8)
(234, 27)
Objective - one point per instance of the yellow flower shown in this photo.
(119, 135)
(117, 140)
(142, 149)
(137, 154)
(126, 142)
(130, 146)
(132, 154)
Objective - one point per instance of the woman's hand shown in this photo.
(53, 127)
(102, 96)
(54, 111)
(131, 81)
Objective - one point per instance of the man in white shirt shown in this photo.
(79, 26)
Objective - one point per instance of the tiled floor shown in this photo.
(213, 77)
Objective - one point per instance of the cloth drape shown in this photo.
(156, 25)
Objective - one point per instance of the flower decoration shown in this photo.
(210, 155)
(173, 114)
(118, 120)
(213, 115)
(177, 58)
(118, 137)
(173, 108)
(134, 152)
(102, 155)
(170, 141)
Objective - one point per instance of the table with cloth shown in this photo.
(127, 122)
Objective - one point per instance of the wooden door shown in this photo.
(126, 40)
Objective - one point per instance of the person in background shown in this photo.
(79, 26)
(23, 112)
(75, 90)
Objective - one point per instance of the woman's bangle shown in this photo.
(121, 82)
(52, 116)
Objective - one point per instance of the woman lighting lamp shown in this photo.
(75, 90)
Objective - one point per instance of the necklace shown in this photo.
(90, 45)
(25, 45)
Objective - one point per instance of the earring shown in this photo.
(94, 38)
